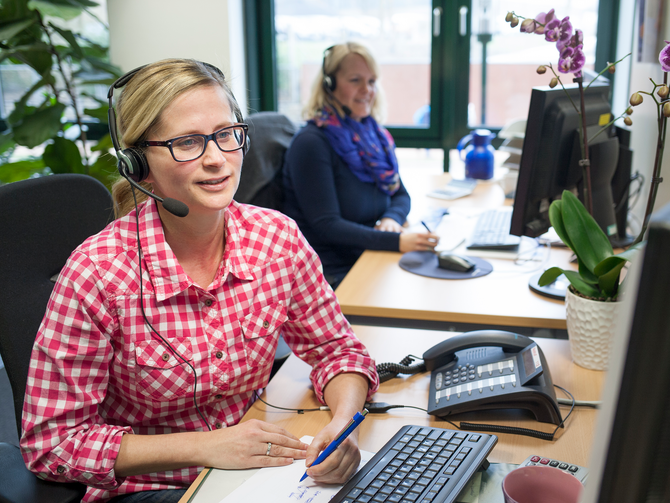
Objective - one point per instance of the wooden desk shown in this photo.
(378, 292)
(291, 387)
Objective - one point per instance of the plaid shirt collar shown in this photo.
(167, 275)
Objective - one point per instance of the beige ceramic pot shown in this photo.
(590, 328)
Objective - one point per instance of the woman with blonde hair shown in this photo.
(162, 328)
(340, 177)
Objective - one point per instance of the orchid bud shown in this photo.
(635, 99)
(514, 22)
(629, 111)
(611, 68)
(663, 91)
(528, 25)
(666, 109)
(628, 121)
(541, 69)
(553, 82)
(509, 17)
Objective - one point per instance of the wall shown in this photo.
(142, 31)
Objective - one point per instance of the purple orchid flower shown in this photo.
(541, 21)
(664, 57)
(572, 60)
(574, 41)
(556, 30)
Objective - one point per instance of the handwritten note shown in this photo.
(280, 484)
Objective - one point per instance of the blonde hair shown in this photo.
(331, 64)
(140, 107)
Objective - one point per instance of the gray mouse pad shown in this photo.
(424, 263)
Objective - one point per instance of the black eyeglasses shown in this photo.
(190, 147)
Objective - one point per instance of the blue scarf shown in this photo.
(366, 147)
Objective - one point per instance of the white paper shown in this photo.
(282, 484)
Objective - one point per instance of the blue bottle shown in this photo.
(478, 156)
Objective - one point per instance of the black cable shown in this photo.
(299, 411)
(146, 320)
(388, 371)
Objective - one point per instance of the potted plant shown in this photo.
(591, 299)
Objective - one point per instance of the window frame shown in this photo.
(450, 69)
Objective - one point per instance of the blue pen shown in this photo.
(351, 426)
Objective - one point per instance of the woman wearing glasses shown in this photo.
(161, 328)
(341, 181)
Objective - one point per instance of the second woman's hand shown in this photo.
(418, 241)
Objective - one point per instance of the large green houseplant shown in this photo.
(35, 33)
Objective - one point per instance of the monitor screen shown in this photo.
(551, 153)
(630, 457)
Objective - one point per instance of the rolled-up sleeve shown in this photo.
(317, 331)
(64, 438)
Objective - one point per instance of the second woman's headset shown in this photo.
(329, 82)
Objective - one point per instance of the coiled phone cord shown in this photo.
(388, 371)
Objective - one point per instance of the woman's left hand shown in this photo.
(388, 225)
(342, 463)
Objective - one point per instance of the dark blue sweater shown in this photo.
(335, 210)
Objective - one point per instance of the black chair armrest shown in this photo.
(20, 485)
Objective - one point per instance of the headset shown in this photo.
(329, 82)
(132, 163)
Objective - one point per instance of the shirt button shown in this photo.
(219, 354)
(208, 302)
(60, 469)
(165, 357)
(266, 324)
(218, 427)
(218, 397)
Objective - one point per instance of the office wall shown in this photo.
(142, 31)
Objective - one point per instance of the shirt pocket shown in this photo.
(261, 330)
(160, 374)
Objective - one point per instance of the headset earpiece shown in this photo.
(247, 144)
(329, 81)
(133, 164)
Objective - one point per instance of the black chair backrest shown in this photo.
(42, 220)
(261, 180)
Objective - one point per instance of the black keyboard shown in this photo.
(419, 464)
(492, 232)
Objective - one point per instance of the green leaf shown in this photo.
(37, 56)
(608, 264)
(591, 245)
(98, 113)
(71, 39)
(6, 141)
(632, 252)
(63, 156)
(609, 282)
(10, 30)
(581, 286)
(39, 127)
(549, 276)
(587, 275)
(556, 219)
(63, 10)
(20, 109)
(104, 145)
(15, 171)
(104, 169)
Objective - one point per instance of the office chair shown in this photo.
(261, 180)
(42, 220)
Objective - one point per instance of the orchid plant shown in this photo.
(569, 43)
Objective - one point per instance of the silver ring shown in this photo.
(267, 453)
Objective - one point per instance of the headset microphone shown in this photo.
(344, 107)
(175, 207)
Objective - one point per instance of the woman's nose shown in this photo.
(213, 153)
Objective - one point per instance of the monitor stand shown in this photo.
(555, 290)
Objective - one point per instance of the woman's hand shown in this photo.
(388, 225)
(245, 446)
(414, 241)
(343, 461)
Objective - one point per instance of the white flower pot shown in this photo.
(590, 328)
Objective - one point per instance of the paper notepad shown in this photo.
(282, 484)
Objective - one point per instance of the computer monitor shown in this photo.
(551, 153)
(630, 457)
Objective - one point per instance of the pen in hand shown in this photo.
(341, 437)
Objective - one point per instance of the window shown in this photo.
(430, 53)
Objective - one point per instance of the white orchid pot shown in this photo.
(590, 328)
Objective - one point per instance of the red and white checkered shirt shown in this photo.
(97, 371)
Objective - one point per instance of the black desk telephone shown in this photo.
(489, 369)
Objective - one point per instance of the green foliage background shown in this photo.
(32, 33)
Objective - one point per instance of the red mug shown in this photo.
(541, 484)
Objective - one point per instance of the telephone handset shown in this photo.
(490, 369)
